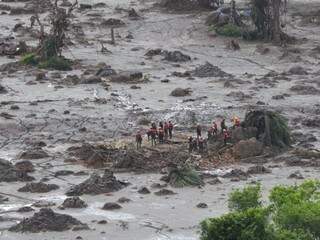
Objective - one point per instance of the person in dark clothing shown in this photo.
(161, 125)
(170, 129)
(166, 131)
(190, 139)
(201, 146)
(161, 135)
(138, 140)
(199, 131)
(223, 125)
(225, 137)
(154, 134)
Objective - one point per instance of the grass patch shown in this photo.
(30, 59)
(229, 30)
(56, 63)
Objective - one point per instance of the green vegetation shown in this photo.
(229, 30)
(293, 214)
(30, 59)
(56, 63)
(184, 176)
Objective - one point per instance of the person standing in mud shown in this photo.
(226, 136)
(223, 125)
(139, 140)
(215, 128)
(161, 125)
(161, 135)
(166, 130)
(153, 135)
(170, 129)
(190, 141)
(201, 145)
(199, 130)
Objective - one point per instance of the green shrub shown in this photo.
(56, 63)
(251, 224)
(229, 30)
(284, 234)
(184, 176)
(249, 197)
(29, 59)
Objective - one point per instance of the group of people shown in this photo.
(160, 134)
(196, 143)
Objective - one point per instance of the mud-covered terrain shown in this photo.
(56, 127)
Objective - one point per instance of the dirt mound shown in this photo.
(181, 92)
(247, 148)
(236, 173)
(38, 187)
(46, 220)
(185, 5)
(164, 192)
(73, 202)
(97, 185)
(259, 169)
(8, 173)
(176, 56)
(208, 70)
(124, 200)
(25, 209)
(36, 153)
(24, 166)
(111, 206)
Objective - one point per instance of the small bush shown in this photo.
(250, 224)
(229, 30)
(56, 63)
(29, 59)
(249, 197)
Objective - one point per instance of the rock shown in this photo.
(106, 71)
(236, 174)
(124, 200)
(154, 52)
(112, 22)
(83, 6)
(38, 187)
(40, 76)
(214, 181)
(247, 148)
(133, 15)
(91, 80)
(208, 70)
(97, 185)
(25, 209)
(305, 89)
(46, 220)
(24, 166)
(298, 70)
(164, 192)
(3, 90)
(259, 169)
(73, 202)
(31, 154)
(202, 205)
(111, 206)
(181, 92)
(9, 173)
(63, 173)
(127, 77)
(102, 222)
(14, 107)
(71, 80)
(176, 56)
(144, 190)
(296, 175)
(241, 133)
(158, 185)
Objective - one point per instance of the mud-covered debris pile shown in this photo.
(185, 5)
(36, 153)
(38, 187)
(209, 70)
(24, 166)
(73, 202)
(128, 158)
(47, 220)
(176, 56)
(3, 90)
(8, 173)
(181, 92)
(97, 185)
(181, 176)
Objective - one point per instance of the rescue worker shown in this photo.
(190, 140)
(166, 130)
(139, 139)
(194, 144)
(215, 128)
(223, 125)
(149, 134)
(236, 122)
(225, 136)
(199, 131)
(201, 146)
(210, 133)
(170, 129)
(161, 135)
(154, 134)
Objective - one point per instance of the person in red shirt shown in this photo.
(226, 136)
(215, 128)
(161, 135)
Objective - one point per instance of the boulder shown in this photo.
(111, 206)
(247, 148)
(181, 92)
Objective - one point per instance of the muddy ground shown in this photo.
(55, 112)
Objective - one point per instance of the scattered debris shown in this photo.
(202, 205)
(73, 202)
(144, 190)
(39, 187)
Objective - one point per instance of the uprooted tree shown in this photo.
(48, 54)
